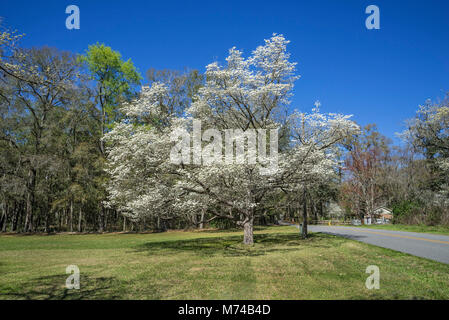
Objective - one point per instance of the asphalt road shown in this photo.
(430, 246)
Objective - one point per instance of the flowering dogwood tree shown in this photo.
(313, 157)
(246, 95)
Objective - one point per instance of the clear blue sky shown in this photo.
(380, 76)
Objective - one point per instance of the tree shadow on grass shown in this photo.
(231, 246)
(54, 288)
(256, 228)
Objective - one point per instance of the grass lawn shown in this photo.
(412, 228)
(212, 265)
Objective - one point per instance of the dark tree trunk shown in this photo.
(47, 222)
(71, 215)
(194, 218)
(28, 227)
(304, 215)
(248, 237)
(80, 218)
(314, 211)
(37, 220)
(4, 218)
(20, 217)
(202, 219)
(60, 221)
(321, 208)
(15, 218)
(105, 219)
(100, 220)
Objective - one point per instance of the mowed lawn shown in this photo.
(443, 230)
(212, 265)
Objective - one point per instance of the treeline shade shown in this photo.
(75, 152)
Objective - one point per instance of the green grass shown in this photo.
(212, 265)
(411, 228)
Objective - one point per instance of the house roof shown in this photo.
(385, 208)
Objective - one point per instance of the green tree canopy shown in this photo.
(117, 80)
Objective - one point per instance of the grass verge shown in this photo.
(411, 228)
(212, 265)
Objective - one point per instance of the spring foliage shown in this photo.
(245, 93)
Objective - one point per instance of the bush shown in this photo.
(404, 210)
(414, 212)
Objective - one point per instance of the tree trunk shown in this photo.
(194, 218)
(248, 231)
(304, 215)
(314, 211)
(105, 219)
(202, 219)
(20, 216)
(100, 219)
(47, 222)
(321, 208)
(71, 215)
(60, 220)
(4, 218)
(28, 226)
(15, 217)
(80, 218)
(124, 223)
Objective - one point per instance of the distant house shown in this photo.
(380, 215)
(383, 213)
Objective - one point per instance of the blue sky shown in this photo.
(379, 76)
